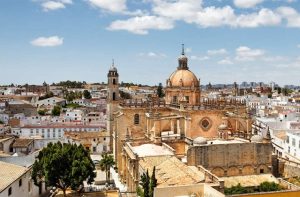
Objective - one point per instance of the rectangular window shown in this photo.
(94, 149)
(174, 99)
(29, 186)
(31, 131)
(293, 142)
(9, 191)
(187, 98)
(53, 134)
(288, 139)
(20, 182)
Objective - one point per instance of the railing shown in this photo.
(210, 176)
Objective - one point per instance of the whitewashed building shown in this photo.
(15, 181)
(50, 102)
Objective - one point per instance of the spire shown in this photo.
(182, 61)
(113, 70)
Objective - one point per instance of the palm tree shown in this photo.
(106, 163)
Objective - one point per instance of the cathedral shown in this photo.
(177, 120)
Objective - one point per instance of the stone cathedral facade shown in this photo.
(177, 119)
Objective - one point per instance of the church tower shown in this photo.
(112, 97)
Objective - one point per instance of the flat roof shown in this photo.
(219, 141)
(145, 150)
(248, 180)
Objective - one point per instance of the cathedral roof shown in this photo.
(183, 78)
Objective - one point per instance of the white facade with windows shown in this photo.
(51, 131)
(292, 145)
(50, 102)
(73, 115)
(16, 182)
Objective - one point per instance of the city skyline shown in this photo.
(226, 41)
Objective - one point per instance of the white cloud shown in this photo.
(275, 59)
(51, 41)
(291, 15)
(52, 5)
(152, 55)
(110, 5)
(200, 58)
(214, 17)
(177, 10)
(247, 3)
(49, 5)
(188, 50)
(225, 61)
(244, 53)
(293, 64)
(192, 11)
(217, 52)
(141, 24)
(66, 1)
(298, 45)
(264, 17)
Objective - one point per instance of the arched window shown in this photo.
(136, 119)
(114, 96)
(114, 81)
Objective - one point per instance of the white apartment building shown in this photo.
(73, 115)
(292, 145)
(50, 102)
(16, 181)
(51, 131)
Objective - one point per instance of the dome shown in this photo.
(256, 138)
(113, 68)
(199, 141)
(183, 78)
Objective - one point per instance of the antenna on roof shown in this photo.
(182, 53)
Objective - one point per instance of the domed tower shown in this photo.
(112, 96)
(183, 85)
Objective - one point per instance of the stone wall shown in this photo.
(291, 170)
(232, 159)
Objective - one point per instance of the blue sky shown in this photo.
(225, 40)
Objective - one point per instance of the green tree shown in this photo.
(160, 93)
(63, 166)
(87, 94)
(42, 112)
(47, 95)
(148, 184)
(56, 110)
(153, 183)
(125, 95)
(145, 182)
(269, 186)
(1, 122)
(106, 163)
(238, 189)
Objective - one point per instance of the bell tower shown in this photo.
(113, 97)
